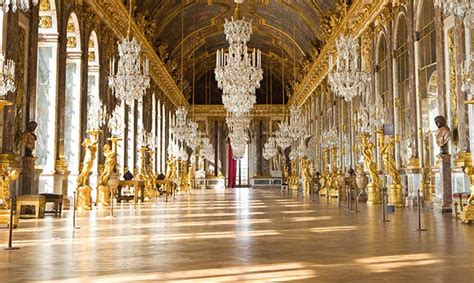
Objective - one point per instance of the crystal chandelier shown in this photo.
(13, 5)
(179, 129)
(238, 126)
(130, 82)
(191, 136)
(377, 113)
(238, 72)
(97, 113)
(331, 138)
(296, 128)
(207, 149)
(347, 80)
(270, 148)
(115, 123)
(283, 138)
(7, 75)
(459, 8)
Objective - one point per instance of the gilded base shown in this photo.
(396, 195)
(467, 214)
(5, 218)
(373, 194)
(84, 198)
(103, 196)
(322, 192)
(463, 159)
(413, 164)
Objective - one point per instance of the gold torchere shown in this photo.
(373, 188)
(467, 214)
(390, 167)
(150, 177)
(307, 176)
(103, 190)
(170, 176)
(192, 174)
(6, 179)
(325, 175)
(293, 180)
(183, 176)
(332, 187)
(83, 188)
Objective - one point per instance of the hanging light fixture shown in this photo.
(133, 75)
(238, 72)
(97, 113)
(115, 123)
(7, 76)
(458, 8)
(347, 80)
(13, 5)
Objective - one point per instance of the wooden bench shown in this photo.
(38, 201)
(57, 199)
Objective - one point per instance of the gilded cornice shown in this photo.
(359, 16)
(259, 111)
(115, 14)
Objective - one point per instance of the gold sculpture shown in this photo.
(83, 188)
(6, 179)
(467, 214)
(293, 179)
(150, 177)
(307, 176)
(390, 167)
(183, 176)
(192, 173)
(103, 190)
(325, 176)
(373, 188)
(170, 176)
(332, 186)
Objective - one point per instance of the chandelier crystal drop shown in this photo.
(458, 8)
(377, 113)
(7, 75)
(133, 77)
(283, 138)
(296, 127)
(347, 80)
(13, 5)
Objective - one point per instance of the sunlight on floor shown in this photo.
(387, 263)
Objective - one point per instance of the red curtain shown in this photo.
(232, 168)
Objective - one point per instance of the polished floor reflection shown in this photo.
(240, 235)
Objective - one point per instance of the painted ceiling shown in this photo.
(186, 35)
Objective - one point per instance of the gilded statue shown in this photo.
(170, 175)
(286, 174)
(293, 180)
(390, 167)
(373, 186)
(183, 176)
(443, 135)
(307, 176)
(467, 214)
(84, 191)
(28, 138)
(103, 190)
(192, 172)
(6, 179)
(90, 146)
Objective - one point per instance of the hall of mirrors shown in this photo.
(137, 110)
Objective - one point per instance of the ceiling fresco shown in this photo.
(186, 35)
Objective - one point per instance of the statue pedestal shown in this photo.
(373, 194)
(5, 217)
(84, 198)
(467, 215)
(28, 175)
(103, 196)
(396, 195)
(445, 203)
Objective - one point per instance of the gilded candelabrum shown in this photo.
(390, 167)
(373, 188)
(467, 214)
(183, 176)
(307, 176)
(170, 176)
(150, 177)
(103, 189)
(6, 179)
(293, 182)
(325, 176)
(84, 201)
(332, 187)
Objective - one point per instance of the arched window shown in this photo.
(406, 126)
(46, 104)
(382, 69)
(164, 145)
(92, 70)
(427, 77)
(159, 136)
(72, 111)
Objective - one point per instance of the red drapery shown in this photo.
(232, 168)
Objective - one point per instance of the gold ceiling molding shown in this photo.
(115, 15)
(359, 16)
(259, 111)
